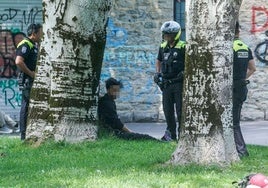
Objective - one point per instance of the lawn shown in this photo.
(110, 162)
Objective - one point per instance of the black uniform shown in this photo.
(242, 55)
(29, 51)
(172, 67)
(110, 121)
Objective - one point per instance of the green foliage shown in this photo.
(111, 162)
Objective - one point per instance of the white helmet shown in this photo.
(170, 27)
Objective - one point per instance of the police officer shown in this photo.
(169, 75)
(243, 68)
(26, 58)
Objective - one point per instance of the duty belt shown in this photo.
(166, 82)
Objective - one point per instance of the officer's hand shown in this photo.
(32, 74)
(157, 76)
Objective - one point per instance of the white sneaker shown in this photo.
(5, 130)
(16, 130)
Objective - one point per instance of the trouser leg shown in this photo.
(9, 121)
(239, 140)
(168, 107)
(23, 116)
(239, 96)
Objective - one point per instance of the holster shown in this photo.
(26, 87)
(21, 81)
(160, 85)
(167, 82)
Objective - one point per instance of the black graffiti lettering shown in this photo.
(30, 17)
(9, 14)
(261, 50)
(36, 13)
(27, 16)
(3, 17)
(12, 13)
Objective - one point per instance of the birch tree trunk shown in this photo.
(207, 126)
(64, 96)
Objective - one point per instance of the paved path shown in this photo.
(254, 132)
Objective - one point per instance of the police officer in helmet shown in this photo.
(169, 76)
(243, 68)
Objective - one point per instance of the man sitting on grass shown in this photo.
(108, 116)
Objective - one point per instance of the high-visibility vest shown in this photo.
(240, 59)
(27, 42)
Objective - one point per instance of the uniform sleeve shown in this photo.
(160, 55)
(23, 51)
(108, 115)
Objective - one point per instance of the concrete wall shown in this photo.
(132, 44)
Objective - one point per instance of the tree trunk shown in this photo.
(207, 128)
(64, 96)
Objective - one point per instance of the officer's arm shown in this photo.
(158, 66)
(251, 68)
(20, 63)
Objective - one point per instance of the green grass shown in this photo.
(110, 162)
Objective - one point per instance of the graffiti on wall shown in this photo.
(10, 95)
(116, 36)
(261, 50)
(259, 22)
(9, 41)
(19, 18)
(131, 61)
(134, 65)
(259, 25)
(12, 21)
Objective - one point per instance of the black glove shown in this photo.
(157, 77)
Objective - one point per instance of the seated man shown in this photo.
(7, 124)
(108, 116)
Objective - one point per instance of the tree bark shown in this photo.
(207, 128)
(64, 96)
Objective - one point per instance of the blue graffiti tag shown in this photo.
(116, 36)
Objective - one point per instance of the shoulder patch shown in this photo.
(24, 49)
